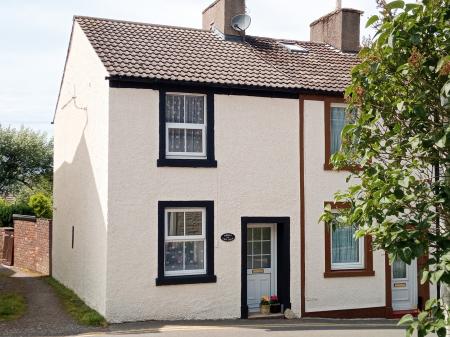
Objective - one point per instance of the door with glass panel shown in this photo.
(404, 285)
(261, 263)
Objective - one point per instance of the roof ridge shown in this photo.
(75, 17)
(288, 40)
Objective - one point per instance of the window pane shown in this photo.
(399, 269)
(256, 262)
(176, 140)
(193, 223)
(174, 256)
(249, 234)
(195, 109)
(194, 252)
(337, 124)
(249, 248)
(175, 108)
(266, 233)
(194, 140)
(266, 247)
(344, 248)
(175, 223)
(265, 261)
(256, 247)
(257, 234)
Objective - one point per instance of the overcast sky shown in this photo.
(34, 35)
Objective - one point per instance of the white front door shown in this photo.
(404, 285)
(261, 263)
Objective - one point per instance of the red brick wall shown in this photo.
(32, 244)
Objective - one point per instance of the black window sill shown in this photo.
(186, 163)
(188, 279)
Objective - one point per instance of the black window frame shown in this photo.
(209, 276)
(210, 160)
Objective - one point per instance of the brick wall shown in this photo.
(32, 244)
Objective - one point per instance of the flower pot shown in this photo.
(275, 308)
(265, 309)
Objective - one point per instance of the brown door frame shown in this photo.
(423, 290)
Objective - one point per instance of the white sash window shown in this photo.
(185, 126)
(185, 242)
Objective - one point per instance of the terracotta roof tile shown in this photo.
(184, 54)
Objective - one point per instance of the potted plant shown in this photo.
(275, 306)
(265, 305)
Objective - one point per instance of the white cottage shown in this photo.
(192, 165)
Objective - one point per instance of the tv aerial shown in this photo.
(241, 22)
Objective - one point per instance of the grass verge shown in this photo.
(75, 306)
(12, 306)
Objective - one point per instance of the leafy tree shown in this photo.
(26, 157)
(41, 205)
(400, 142)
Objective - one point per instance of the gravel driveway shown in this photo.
(45, 315)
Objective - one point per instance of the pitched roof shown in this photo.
(146, 51)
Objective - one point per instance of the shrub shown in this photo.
(41, 205)
(8, 209)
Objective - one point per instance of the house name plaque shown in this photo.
(227, 237)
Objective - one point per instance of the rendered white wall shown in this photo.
(329, 293)
(257, 175)
(81, 174)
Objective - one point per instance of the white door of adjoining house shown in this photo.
(404, 285)
(261, 263)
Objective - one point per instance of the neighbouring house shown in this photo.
(192, 165)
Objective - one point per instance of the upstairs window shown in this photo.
(185, 126)
(186, 129)
(338, 121)
(337, 117)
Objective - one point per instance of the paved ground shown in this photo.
(273, 328)
(46, 317)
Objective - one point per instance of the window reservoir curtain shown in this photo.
(337, 124)
(344, 248)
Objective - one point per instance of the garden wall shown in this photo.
(32, 243)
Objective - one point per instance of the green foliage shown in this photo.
(41, 205)
(75, 306)
(42, 185)
(26, 157)
(401, 92)
(12, 306)
(8, 209)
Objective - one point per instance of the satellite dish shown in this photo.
(241, 22)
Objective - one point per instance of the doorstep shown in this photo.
(258, 315)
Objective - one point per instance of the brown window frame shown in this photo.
(328, 166)
(368, 254)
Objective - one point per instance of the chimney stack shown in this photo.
(218, 16)
(339, 28)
